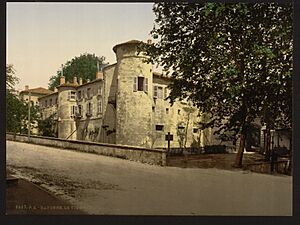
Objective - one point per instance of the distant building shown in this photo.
(125, 104)
(35, 94)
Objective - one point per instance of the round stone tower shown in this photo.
(134, 96)
(66, 110)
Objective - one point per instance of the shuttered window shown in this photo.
(72, 95)
(165, 93)
(135, 84)
(146, 85)
(89, 109)
(154, 91)
(73, 110)
(100, 106)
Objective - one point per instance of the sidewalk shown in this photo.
(23, 197)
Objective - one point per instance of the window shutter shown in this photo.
(135, 84)
(165, 93)
(100, 106)
(69, 95)
(146, 85)
(155, 91)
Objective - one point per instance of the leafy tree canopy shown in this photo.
(16, 108)
(84, 66)
(233, 61)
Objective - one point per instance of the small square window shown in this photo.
(159, 127)
(195, 130)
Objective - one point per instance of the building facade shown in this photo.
(125, 104)
(33, 95)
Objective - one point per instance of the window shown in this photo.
(181, 127)
(100, 106)
(79, 95)
(88, 93)
(159, 127)
(50, 102)
(153, 109)
(99, 90)
(158, 91)
(195, 130)
(46, 103)
(167, 110)
(140, 84)
(178, 111)
(165, 92)
(73, 110)
(56, 101)
(72, 95)
(80, 110)
(89, 109)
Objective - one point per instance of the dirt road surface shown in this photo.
(110, 186)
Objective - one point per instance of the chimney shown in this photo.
(26, 87)
(99, 75)
(75, 80)
(149, 41)
(62, 80)
(88, 80)
(80, 81)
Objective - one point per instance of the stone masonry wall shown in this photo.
(150, 156)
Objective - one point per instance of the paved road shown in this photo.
(106, 185)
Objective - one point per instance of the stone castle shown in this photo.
(125, 104)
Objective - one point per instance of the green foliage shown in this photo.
(233, 61)
(84, 66)
(47, 127)
(15, 113)
(11, 79)
(16, 108)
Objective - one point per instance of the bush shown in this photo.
(214, 149)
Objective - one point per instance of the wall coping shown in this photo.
(93, 143)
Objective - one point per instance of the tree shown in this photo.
(47, 127)
(233, 61)
(84, 66)
(11, 79)
(16, 108)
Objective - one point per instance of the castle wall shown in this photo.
(66, 124)
(134, 121)
(108, 131)
(90, 121)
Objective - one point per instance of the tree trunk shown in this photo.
(239, 156)
(267, 145)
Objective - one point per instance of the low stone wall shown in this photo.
(265, 167)
(144, 155)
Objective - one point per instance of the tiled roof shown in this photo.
(38, 90)
(126, 43)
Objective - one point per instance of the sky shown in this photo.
(42, 36)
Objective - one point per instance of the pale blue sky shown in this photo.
(42, 36)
